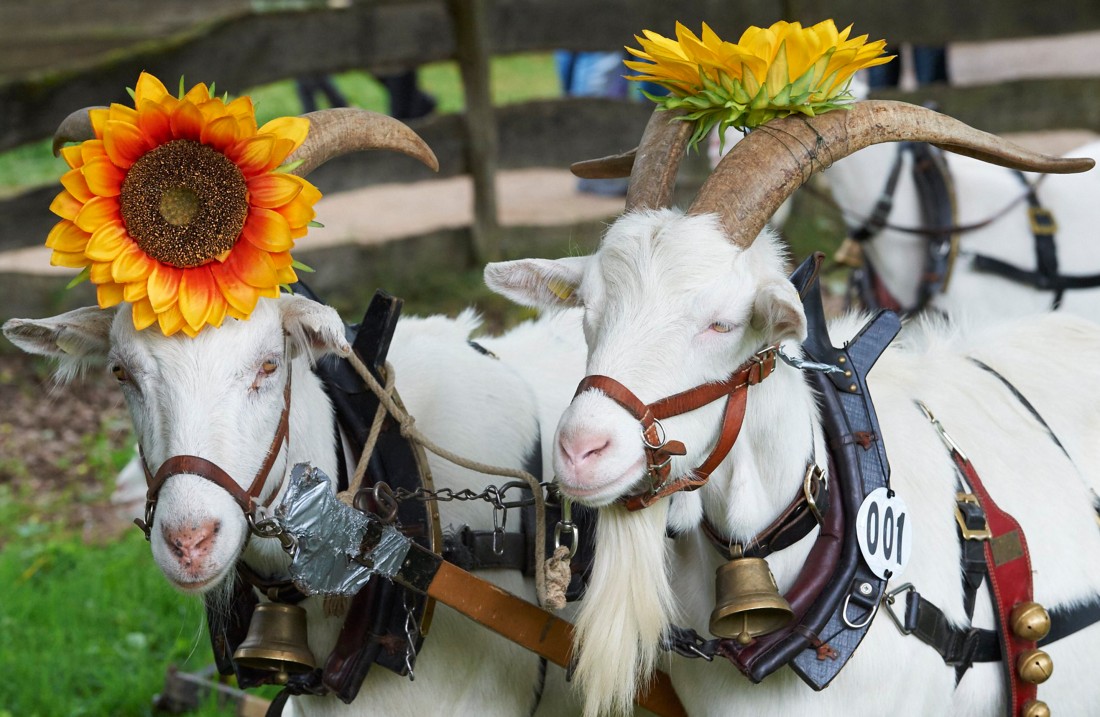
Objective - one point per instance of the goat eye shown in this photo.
(721, 327)
(269, 367)
(120, 373)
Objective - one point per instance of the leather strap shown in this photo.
(208, 470)
(659, 450)
(533, 628)
(1010, 580)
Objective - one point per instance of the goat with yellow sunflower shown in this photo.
(183, 207)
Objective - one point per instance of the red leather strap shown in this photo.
(659, 451)
(1010, 580)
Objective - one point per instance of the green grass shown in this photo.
(515, 78)
(90, 630)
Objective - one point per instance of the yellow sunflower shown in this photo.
(770, 72)
(178, 207)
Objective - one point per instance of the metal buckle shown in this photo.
(813, 470)
(889, 598)
(661, 440)
(983, 533)
(1042, 221)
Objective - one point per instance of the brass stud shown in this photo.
(1035, 708)
(853, 388)
(842, 359)
(1030, 621)
(847, 374)
(1034, 666)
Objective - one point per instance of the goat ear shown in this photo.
(313, 326)
(777, 312)
(539, 283)
(81, 336)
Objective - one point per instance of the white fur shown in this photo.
(652, 293)
(207, 396)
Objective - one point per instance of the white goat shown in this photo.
(674, 301)
(220, 395)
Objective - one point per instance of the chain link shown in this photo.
(411, 633)
(495, 496)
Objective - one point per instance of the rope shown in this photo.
(409, 431)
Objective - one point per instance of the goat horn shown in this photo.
(657, 159)
(616, 166)
(77, 127)
(764, 168)
(337, 131)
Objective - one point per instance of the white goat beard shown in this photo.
(626, 609)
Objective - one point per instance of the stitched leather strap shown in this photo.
(659, 451)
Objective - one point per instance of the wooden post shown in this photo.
(471, 26)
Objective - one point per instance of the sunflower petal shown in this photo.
(66, 206)
(293, 128)
(155, 122)
(253, 266)
(142, 313)
(132, 264)
(107, 242)
(240, 296)
(286, 275)
(98, 211)
(70, 260)
(297, 213)
(74, 181)
(267, 230)
(71, 155)
(218, 308)
(170, 320)
(98, 117)
(136, 291)
(197, 289)
(187, 121)
(102, 177)
(100, 272)
(108, 295)
(124, 143)
(254, 155)
(220, 134)
(149, 88)
(67, 237)
(273, 190)
(164, 287)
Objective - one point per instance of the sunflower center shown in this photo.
(184, 203)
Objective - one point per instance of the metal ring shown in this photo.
(866, 622)
(889, 598)
(384, 501)
(574, 539)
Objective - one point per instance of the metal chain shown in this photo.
(411, 632)
(492, 494)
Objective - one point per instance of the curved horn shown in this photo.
(764, 168)
(337, 131)
(616, 166)
(656, 160)
(77, 127)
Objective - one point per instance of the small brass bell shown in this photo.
(747, 602)
(849, 254)
(276, 641)
(1034, 666)
(1030, 621)
(1035, 708)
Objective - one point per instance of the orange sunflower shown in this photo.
(178, 207)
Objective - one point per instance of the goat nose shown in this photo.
(192, 542)
(581, 448)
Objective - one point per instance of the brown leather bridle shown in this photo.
(203, 468)
(658, 450)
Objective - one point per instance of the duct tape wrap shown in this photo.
(330, 537)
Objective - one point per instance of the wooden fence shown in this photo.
(242, 48)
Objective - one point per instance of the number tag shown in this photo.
(884, 534)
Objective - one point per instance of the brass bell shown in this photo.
(276, 641)
(1035, 708)
(849, 254)
(1034, 666)
(1030, 621)
(747, 602)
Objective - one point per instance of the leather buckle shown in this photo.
(1042, 221)
(814, 473)
(969, 533)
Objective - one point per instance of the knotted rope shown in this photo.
(552, 596)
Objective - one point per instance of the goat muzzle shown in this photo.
(660, 451)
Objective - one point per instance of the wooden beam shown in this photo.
(471, 30)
